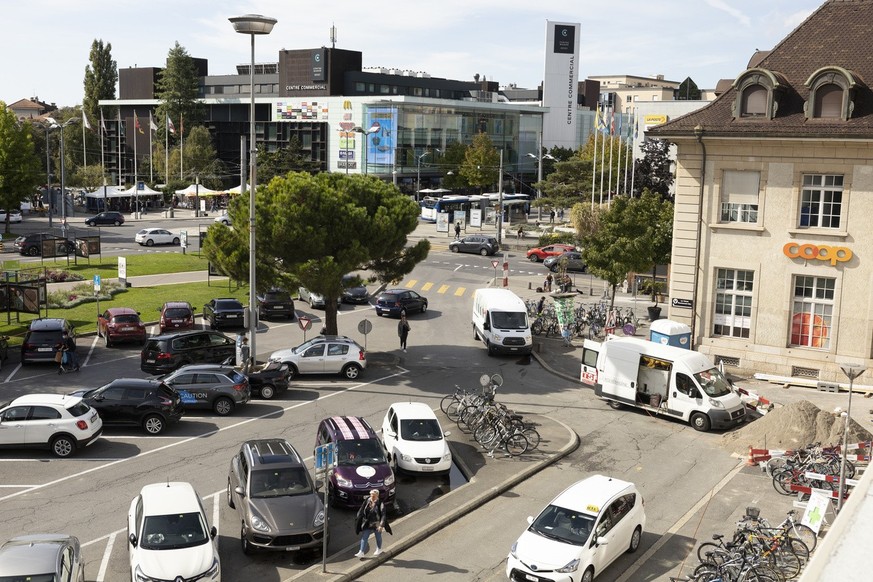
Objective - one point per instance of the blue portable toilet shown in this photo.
(670, 333)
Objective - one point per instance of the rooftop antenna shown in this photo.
(332, 36)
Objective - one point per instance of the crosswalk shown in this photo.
(442, 289)
(430, 287)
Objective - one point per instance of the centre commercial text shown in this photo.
(811, 252)
(571, 107)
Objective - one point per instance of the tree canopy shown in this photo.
(19, 165)
(178, 90)
(101, 75)
(481, 165)
(654, 171)
(313, 229)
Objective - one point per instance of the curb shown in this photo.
(551, 370)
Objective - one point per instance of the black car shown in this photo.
(165, 353)
(209, 386)
(42, 339)
(150, 404)
(354, 290)
(226, 312)
(571, 261)
(115, 218)
(481, 244)
(32, 245)
(397, 301)
(275, 302)
(269, 379)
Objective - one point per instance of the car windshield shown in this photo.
(713, 382)
(360, 452)
(302, 347)
(279, 482)
(126, 318)
(144, 231)
(563, 525)
(173, 532)
(177, 312)
(277, 296)
(509, 319)
(425, 429)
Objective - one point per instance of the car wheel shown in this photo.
(614, 405)
(117, 223)
(554, 268)
(89, 223)
(700, 421)
(63, 446)
(267, 391)
(223, 406)
(150, 243)
(454, 249)
(351, 371)
(176, 241)
(475, 334)
(292, 370)
(378, 313)
(423, 307)
(534, 259)
(247, 548)
(230, 495)
(490, 349)
(106, 340)
(588, 576)
(153, 424)
(33, 251)
(635, 540)
(483, 252)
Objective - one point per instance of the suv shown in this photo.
(164, 353)
(275, 498)
(118, 324)
(571, 260)
(55, 421)
(42, 557)
(176, 315)
(150, 404)
(324, 354)
(475, 243)
(210, 386)
(226, 312)
(109, 217)
(43, 338)
(275, 302)
(361, 462)
(31, 244)
(397, 301)
(169, 537)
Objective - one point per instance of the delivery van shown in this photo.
(661, 379)
(500, 321)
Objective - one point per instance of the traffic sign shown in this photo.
(97, 282)
(494, 263)
(365, 327)
(325, 457)
(304, 322)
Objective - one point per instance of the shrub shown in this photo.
(83, 293)
(550, 238)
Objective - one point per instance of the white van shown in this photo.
(500, 321)
(662, 380)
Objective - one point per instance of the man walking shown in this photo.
(458, 230)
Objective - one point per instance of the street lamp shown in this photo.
(365, 132)
(48, 171)
(851, 371)
(53, 124)
(418, 174)
(252, 24)
(539, 158)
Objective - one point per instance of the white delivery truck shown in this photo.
(661, 379)
(500, 321)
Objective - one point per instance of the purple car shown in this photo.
(361, 462)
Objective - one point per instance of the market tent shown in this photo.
(132, 191)
(238, 189)
(198, 190)
(106, 192)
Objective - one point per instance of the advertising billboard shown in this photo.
(381, 138)
(561, 83)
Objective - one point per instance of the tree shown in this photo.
(654, 171)
(200, 157)
(291, 158)
(632, 235)
(313, 229)
(565, 186)
(452, 160)
(101, 75)
(481, 165)
(178, 90)
(19, 166)
(89, 177)
(687, 91)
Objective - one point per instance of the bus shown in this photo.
(514, 205)
(431, 207)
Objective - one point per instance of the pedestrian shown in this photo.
(520, 232)
(69, 361)
(403, 331)
(245, 354)
(458, 230)
(549, 280)
(551, 216)
(540, 304)
(371, 518)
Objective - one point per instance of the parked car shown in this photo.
(32, 244)
(361, 462)
(481, 244)
(540, 254)
(169, 537)
(414, 440)
(315, 300)
(324, 354)
(176, 315)
(397, 301)
(57, 422)
(150, 404)
(108, 217)
(210, 386)
(119, 324)
(227, 312)
(354, 291)
(43, 338)
(12, 215)
(580, 532)
(572, 259)
(164, 353)
(156, 236)
(266, 380)
(275, 498)
(42, 558)
(224, 219)
(275, 302)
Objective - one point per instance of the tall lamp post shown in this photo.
(54, 124)
(539, 158)
(252, 24)
(851, 371)
(48, 171)
(365, 133)
(418, 175)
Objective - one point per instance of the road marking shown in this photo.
(14, 371)
(443, 289)
(460, 291)
(104, 563)
(91, 350)
(411, 283)
(15, 486)
(426, 286)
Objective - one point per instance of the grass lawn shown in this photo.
(107, 266)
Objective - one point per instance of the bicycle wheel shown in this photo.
(788, 564)
(515, 444)
(706, 552)
(803, 533)
(536, 327)
(760, 573)
(447, 399)
(453, 410)
(782, 481)
(532, 436)
(466, 417)
(484, 434)
(799, 548)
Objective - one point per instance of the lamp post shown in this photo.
(54, 123)
(252, 24)
(48, 171)
(539, 158)
(851, 371)
(418, 175)
(365, 133)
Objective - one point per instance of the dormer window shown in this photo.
(758, 92)
(831, 94)
(754, 101)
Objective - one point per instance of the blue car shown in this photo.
(397, 301)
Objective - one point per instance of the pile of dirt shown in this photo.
(793, 426)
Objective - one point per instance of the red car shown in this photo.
(118, 324)
(176, 316)
(540, 254)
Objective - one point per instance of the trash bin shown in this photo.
(172, 213)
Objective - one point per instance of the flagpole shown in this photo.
(627, 152)
(181, 145)
(84, 124)
(120, 161)
(167, 148)
(594, 165)
(602, 150)
(611, 140)
(618, 165)
(151, 156)
(634, 163)
(135, 177)
(102, 156)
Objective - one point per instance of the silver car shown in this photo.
(276, 500)
(42, 558)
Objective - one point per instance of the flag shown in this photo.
(120, 125)
(136, 122)
(597, 119)
(619, 126)
(102, 122)
(611, 121)
(601, 123)
(85, 121)
(152, 125)
(170, 127)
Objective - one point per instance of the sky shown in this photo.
(45, 43)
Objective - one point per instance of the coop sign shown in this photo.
(811, 252)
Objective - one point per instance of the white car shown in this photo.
(57, 422)
(156, 236)
(313, 299)
(224, 219)
(581, 532)
(14, 216)
(169, 537)
(324, 354)
(414, 440)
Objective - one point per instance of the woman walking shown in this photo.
(371, 518)
(403, 331)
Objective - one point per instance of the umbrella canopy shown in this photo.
(238, 189)
(195, 190)
(132, 191)
(106, 192)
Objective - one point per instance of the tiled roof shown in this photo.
(838, 34)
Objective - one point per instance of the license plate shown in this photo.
(43, 349)
(427, 469)
(150, 361)
(128, 328)
(231, 316)
(532, 578)
(175, 321)
(292, 548)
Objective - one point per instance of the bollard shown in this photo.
(528, 283)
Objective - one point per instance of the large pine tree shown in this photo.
(101, 75)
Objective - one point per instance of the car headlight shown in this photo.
(716, 403)
(512, 549)
(406, 458)
(259, 524)
(319, 519)
(447, 456)
(497, 337)
(344, 483)
(214, 569)
(389, 480)
(139, 576)
(571, 566)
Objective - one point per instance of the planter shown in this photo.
(654, 312)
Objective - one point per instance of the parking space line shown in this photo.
(91, 350)
(104, 563)
(411, 283)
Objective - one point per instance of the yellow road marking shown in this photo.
(460, 291)
(443, 289)
(426, 286)
(411, 283)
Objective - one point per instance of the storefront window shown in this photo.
(812, 312)
(733, 303)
